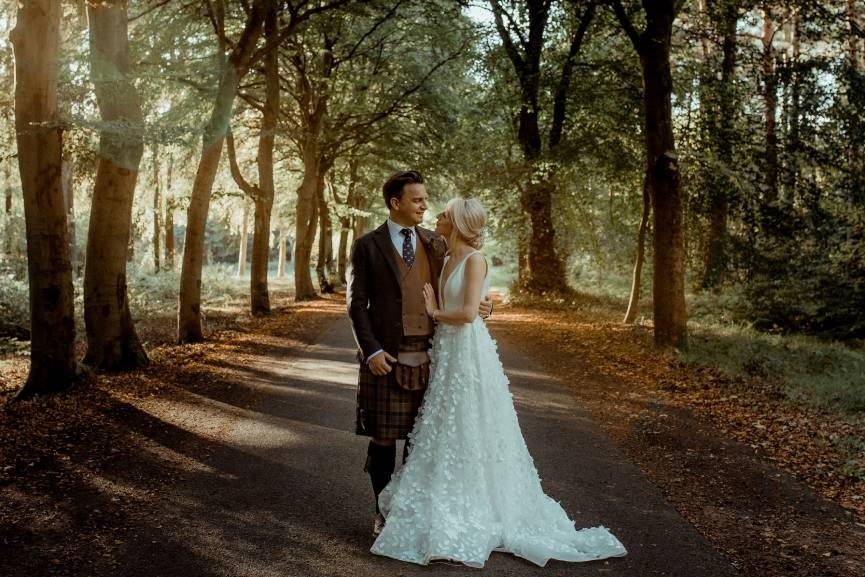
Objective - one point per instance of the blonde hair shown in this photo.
(469, 219)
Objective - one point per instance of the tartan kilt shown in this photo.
(384, 409)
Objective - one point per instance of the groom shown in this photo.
(389, 268)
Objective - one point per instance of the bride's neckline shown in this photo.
(456, 266)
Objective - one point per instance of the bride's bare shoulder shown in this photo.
(476, 263)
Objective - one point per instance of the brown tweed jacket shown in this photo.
(375, 299)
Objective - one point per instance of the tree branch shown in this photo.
(513, 26)
(369, 33)
(217, 20)
(508, 42)
(561, 96)
(393, 106)
(295, 20)
(627, 26)
(157, 6)
(250, 190)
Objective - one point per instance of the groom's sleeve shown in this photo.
(358, 302)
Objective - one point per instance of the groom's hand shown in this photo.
(486, 307)
(379, 366)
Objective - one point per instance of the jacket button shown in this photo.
(396, 325)
(399, 300)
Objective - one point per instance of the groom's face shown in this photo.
(409, 209)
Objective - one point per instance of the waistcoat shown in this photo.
(415, 321)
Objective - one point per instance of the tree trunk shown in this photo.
(545, 271)
(345, 223)
(324, 265)
(634, 301)
(856, 56)
(770, 102)
(359, 227)
(360, 202)
(259, 295)
(69, 206)
(719, 202)
(280, 269)
(244, 242)
(341, 255)
(668, 279)
(260, 261)
(853, 47)
(7, 225)
(35, 40)
(157, 211)
(169, 217)
(306, 224)
(189, 306)
(793, 145)
(541, 268)
(112, 343)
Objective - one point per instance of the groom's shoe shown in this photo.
(377, 524)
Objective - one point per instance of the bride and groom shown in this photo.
(468, 485)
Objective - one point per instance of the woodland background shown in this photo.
(748, 138)
(696, 168)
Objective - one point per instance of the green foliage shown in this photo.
(14, 307)
(156, 293)
(814, 281)
(793, 262)
(853, 449)
(828, 375)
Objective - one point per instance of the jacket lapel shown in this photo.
(435, 254)
(382, 239)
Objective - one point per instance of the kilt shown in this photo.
(384, 409)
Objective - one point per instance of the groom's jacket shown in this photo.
(374, 293)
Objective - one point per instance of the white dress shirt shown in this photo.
(396, 236)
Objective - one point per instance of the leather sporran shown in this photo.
(412, 367)
(412, 378)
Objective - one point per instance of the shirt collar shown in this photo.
(395, 228)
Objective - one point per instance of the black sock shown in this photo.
(380, 462)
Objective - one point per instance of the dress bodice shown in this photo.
(452, 289)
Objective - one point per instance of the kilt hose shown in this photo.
(384, 409)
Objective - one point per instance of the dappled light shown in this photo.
(239, 279)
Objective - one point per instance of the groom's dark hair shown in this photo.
(397, 181)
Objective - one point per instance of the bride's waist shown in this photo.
(448, 327)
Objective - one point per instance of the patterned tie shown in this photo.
(407, 250)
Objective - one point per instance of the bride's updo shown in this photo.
(469, 219)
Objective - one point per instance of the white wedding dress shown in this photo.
(469, 485)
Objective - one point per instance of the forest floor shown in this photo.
(236, 456)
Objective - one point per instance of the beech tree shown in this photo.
(542, 269)
(189, 307)
(348, 76)
(662, 168)
(39, 136)
(112, 343)
(719, 111)
(262, 193)
(244, 54)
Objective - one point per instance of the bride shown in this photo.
(469, 485)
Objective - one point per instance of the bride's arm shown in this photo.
(476, 271)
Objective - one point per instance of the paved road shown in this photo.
(281, 491)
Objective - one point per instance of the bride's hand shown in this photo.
(429, 297)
